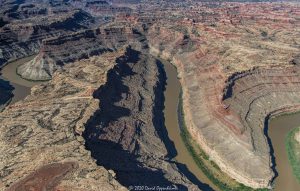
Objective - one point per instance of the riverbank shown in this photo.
(293, 148)
(213, 175)
(279, 125)
(9, 72)
(211, 169)
(21, 87)
(171, 101)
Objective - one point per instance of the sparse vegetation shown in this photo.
(293, 147)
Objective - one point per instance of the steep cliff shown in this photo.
(25, 25)
(232, 80)
(128, 126)
(58, 51)
(115, 102)
(40, 141)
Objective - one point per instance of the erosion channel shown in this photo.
(173, 88)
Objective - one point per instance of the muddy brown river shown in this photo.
(22, 86)
(171, 94)
(277, 131)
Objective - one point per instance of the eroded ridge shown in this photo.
(45, 128)
(126, 125)
(260, 93)
(219, 48)
(27, 23)
(223, 121)
(58, 51)
(127, 133)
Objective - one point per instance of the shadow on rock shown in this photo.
(129, 171)
(5, 92)
(111, 154)
(273, 159)
(158, 114)
(163, 133)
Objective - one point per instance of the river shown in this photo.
(173, 88)
(277, 131)
(22, 86)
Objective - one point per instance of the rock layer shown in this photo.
(43, 131)
(25, 25)
(128, 127)
(56, 52)
(237, 63)
(213, 74)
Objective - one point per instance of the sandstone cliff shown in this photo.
(228, 81)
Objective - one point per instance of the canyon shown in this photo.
(47, 112)
(95, 115)
(47, 117)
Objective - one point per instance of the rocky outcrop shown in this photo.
(40, 137)
(40, 68)
(45, 178)
(56, 52)
(25, 25)
(128, 126)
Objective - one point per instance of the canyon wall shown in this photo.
(55, 52)
(238, 65)
(26, 25)
(127, 133)
(103, 110)
(227, 97)
(40, 141)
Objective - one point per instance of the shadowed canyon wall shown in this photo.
(237, 64)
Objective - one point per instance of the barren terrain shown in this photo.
(99, 112)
